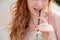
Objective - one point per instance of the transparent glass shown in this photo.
(36, 35)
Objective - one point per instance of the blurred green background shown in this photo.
(58, 2)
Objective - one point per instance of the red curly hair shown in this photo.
(20, 20)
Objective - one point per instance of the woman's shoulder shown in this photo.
(57, 17)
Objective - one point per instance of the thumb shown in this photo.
(43, 20)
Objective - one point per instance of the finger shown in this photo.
(45, 28)
(43, 19)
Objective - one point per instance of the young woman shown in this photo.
(25, 20)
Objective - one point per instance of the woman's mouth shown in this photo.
(37, 10)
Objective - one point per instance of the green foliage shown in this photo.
(58, 2)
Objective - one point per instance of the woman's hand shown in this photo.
(47, 30)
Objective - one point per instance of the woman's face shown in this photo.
(35, 5)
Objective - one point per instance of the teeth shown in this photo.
(37, 9)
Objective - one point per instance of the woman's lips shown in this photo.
(38, 9)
